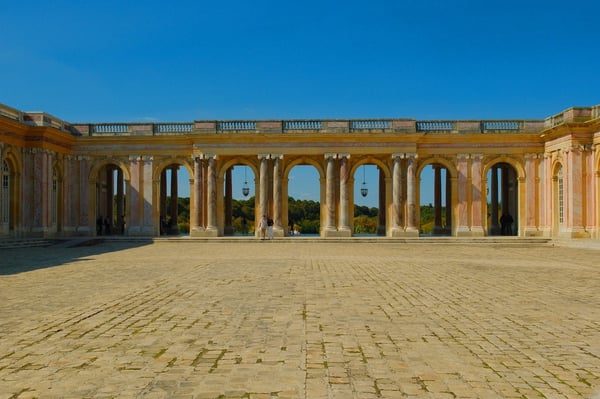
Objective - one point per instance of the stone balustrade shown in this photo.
(574, 114)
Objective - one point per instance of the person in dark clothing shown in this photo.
(506, 221)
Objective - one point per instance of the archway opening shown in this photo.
(502, 200)
(369, 199)
(110, 201)
(303, 202)
(240, 200)
(435, 201)
(174, 200)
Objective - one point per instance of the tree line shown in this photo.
(304, 214)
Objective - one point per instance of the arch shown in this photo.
(100, 206)
(165, 162)
(244, 223)
(371, 161)
(424, 162)
(166, 218)
(444, 223)
(305, 161)
(497, 225)
(10, 171)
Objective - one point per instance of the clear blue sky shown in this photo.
(138, 61)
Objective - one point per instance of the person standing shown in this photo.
(262, 227)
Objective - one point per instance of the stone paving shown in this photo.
(293, 319)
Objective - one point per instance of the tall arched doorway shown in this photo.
(110, 200)
(502, 199)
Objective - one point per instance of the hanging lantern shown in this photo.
(364, 190)
(245, 188)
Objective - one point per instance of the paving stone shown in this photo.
(300, 320)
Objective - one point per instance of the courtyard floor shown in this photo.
(300, 319)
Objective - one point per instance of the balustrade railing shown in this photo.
(501, 125)
(110, 128)
(302, 125)
(435, 126)
(369, 124)
(236, 125)
(173, 127)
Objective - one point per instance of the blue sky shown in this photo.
(136, 61)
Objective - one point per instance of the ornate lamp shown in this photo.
(245, 188)
(364, 190)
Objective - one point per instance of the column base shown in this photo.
(208, 232)
(533, 232)
(575, 233)
(464, 231)
(336, 233)
(139, 231)
(400, 232)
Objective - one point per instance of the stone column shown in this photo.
(344, 223)
(197, 214)
(228, 203)
(211, 214)
(477, 195)
(397, 225)
(462, 199)
(263, 193)
(504, 177)
(277, 195)
(411, 194)
(495, 228)
(575, 193)
(437, 198)
(330, 194)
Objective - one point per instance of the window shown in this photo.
(5, 193)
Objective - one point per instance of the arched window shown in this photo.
(5, 194)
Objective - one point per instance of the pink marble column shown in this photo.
(396, 225)
(463, 195)
(477, 195)
(411, 194)
(531, 195)
(212, 194)
(263, 187)
(277, 195)
(330, 192)
(344, 223)
(134, 227)
(198, 221)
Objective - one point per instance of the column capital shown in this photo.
(399, 155)
(463, 156)
(477, 156)
(264, 156)
(276, 156)
(347, 156)
(329, 155)
(412, 155)
(146, 158)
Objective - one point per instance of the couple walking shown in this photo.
(266, 228)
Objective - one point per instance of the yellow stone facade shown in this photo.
(58, 178)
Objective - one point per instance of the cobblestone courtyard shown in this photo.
(294, 319)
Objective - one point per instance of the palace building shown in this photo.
(74, 179)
